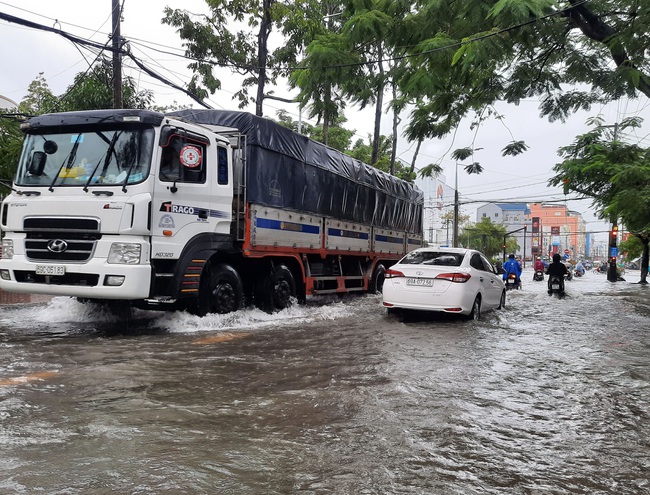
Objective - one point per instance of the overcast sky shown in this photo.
(26, 52)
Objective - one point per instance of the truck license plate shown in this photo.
(50, 270)
(422, 282)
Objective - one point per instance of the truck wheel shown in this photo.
(221, 291)
(377, 280)
(274, 291)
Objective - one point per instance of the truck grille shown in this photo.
(61, 239)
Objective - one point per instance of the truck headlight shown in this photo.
(124, 253)
(7, 249)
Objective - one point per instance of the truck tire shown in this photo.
(275, 291)
(376, 284)
(221, 291)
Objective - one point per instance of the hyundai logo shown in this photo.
(419, 272)
(57, 245)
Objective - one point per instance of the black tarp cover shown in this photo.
(288, 170)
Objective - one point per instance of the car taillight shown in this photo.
(459, 278)
(393, 273)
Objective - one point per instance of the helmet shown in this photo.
(556, 257)
(511, 255)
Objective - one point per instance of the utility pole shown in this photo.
(117, 59)
(456, 210)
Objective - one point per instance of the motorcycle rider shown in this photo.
(557, 269)
(579, 269)
(512, 266)
(538, 267)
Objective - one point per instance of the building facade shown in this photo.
(560, 231)
(438, 210)
(515, 217)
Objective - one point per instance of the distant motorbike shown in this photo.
(539, 275)
(511, 282)
(556, 286)
(577, 273)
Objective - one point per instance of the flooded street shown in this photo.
(547, 396)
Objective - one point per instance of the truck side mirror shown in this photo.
(37, 163)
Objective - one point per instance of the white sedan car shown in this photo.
(449, 280)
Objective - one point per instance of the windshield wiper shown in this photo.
(107, 157)
(67, 163)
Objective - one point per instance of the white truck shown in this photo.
(201, 210)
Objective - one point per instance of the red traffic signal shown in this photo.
(566, 185)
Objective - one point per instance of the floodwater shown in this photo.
(545, 397)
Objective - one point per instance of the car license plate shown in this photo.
(50, 270)
(422, 282)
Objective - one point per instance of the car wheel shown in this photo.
(502, 302)
(476, 309)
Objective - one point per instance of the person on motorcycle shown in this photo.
(579, 269)
(512, 266)
(539, 268)
(556, 269)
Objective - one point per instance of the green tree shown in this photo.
(340, 137)
(39, 99)
(488, 238)
(615, 175)
(10, 144)
(464, 56)
(94, 89)
(225, 38)
(633, 247)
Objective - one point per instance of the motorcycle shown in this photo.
(556, 286)
(539, 275)
(511, 282)
(569, 272)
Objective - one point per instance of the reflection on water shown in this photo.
(546, 397)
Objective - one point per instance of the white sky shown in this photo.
(25, 52)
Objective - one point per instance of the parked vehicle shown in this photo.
(198, 209)
(449, 280)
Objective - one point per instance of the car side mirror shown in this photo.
(37, 163)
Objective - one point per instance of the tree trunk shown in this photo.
(644, 262)
(262, 55)
(396, 120)
(327, 114)
(415, 155)
(379, 103)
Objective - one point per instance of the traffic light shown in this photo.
(566, 185)
(613, 235)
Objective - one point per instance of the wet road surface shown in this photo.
(545, 397)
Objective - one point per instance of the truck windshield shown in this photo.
(86, 159)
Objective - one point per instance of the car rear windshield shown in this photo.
(432, 258)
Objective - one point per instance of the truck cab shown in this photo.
(105, 203)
